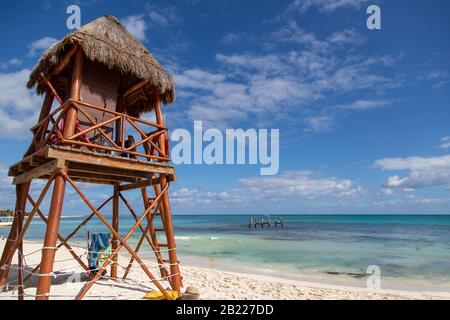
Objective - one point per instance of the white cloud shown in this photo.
(439, 77)
(19, 107)
(242, 63)
(319, 123)
(36, 47)
(136, 25)
(301, 183)
(163, 17)
(192, 197)
(347, 36)
(159, 19)
(281, 84)
(424, 172)
(10, 63)
(323, 5)
(363, 105)
(291, 186)
(387, 191)
(298, 81)
(291, 32)
(445, 143)
(434, 75)
(231, 38)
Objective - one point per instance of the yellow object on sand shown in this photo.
(158, 295)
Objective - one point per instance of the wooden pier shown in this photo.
(266, 221)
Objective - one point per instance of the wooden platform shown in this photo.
(89, 167)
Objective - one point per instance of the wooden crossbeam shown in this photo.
(138, 247)
(123, 243)
(152, 242)
(105, 178)
(145, 183)
(135, 88)
(24, 167)
(45, 169)
(61, 238)
(92, 106)
(148, 138)
(108, 161)
(130, 208)
(95, 125)
(84, 167)
(64, 62)
(30, 216)
(37, 161)
(72, 234)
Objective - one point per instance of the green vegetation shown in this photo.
(6, 213)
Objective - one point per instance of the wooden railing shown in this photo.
(122, 141)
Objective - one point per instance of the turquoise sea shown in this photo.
(412, 251)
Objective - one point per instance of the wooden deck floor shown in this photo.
(89, 167)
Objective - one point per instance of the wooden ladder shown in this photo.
(152, 231)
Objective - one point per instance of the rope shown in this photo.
(49, 248)
(141, 252)
(86, 252)
(54, 275)
(126, 281)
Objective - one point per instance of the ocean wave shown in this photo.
(185, 238)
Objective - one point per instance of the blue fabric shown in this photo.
(98, 242)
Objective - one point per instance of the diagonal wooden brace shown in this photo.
(71, 235)
(63, 241)
(123, 243)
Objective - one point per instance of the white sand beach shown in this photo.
(212, 283)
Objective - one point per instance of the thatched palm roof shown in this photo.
(106, 41)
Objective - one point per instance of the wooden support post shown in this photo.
(166, 212)
(21, 194)
(51, 235)
(8, 250)
(115, 225)
(116, 193)
(77, 74)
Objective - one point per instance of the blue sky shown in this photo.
(363, 114)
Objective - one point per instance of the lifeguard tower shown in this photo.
(97, 83)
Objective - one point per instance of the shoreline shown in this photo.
(411, 286)
(213, 283)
